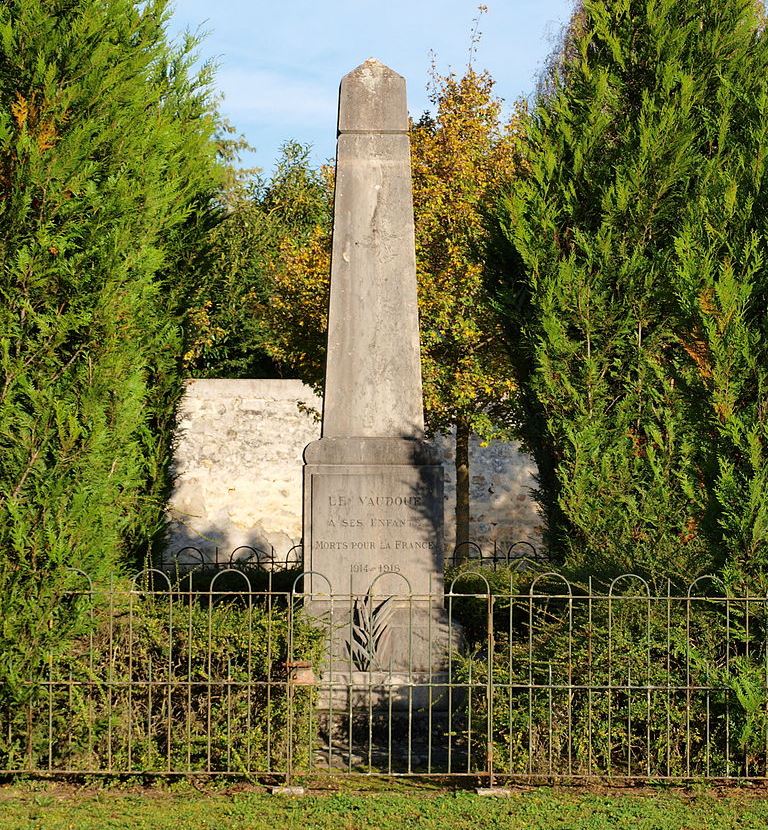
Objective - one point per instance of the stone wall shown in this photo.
(502, 511)
(238, 467)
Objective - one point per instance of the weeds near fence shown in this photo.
(169, 681)
(620, 683)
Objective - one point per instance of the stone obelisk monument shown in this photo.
(373, 490)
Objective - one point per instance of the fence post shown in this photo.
(489, 693)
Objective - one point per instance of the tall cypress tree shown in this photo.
(637, 286)
(108, 166)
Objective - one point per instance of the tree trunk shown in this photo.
(461, 551)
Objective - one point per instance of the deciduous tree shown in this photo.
(229, 305)
(461, 156)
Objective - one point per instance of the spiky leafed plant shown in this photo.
(369, 632)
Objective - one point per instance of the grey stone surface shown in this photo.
(237, 466)
(375, 526)
(373, 371)
(367, 450)
(372, 99)
(503, 512)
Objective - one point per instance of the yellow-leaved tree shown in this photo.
(461, 155)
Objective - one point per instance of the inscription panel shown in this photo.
(368, 522)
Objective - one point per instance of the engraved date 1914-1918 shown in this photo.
(373, 567)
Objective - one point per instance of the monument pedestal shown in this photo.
(373, 516)
(374, 542)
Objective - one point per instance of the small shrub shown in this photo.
(163, 683)
(621, 684)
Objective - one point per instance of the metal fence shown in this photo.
(532, 679)
(248, 557)
(494, 555)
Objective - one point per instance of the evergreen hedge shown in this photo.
(108, 166)
(636, 287)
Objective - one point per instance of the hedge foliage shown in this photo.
(595, 680)
(108, 166)
(168, 683)
(636, 284)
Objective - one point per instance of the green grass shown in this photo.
(55, 807)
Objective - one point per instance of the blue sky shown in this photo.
(279, 63)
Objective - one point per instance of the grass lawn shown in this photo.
(58, 807)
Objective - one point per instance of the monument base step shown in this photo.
(383, 692)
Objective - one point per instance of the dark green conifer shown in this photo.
(107, 169)
(637, 296)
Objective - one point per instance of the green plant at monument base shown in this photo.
(635, 288)
(369, 631)
(108, 167)
(160, 684)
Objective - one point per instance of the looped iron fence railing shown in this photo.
(544, 679)
(519, 554)
(246, 557)
(494, 555)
